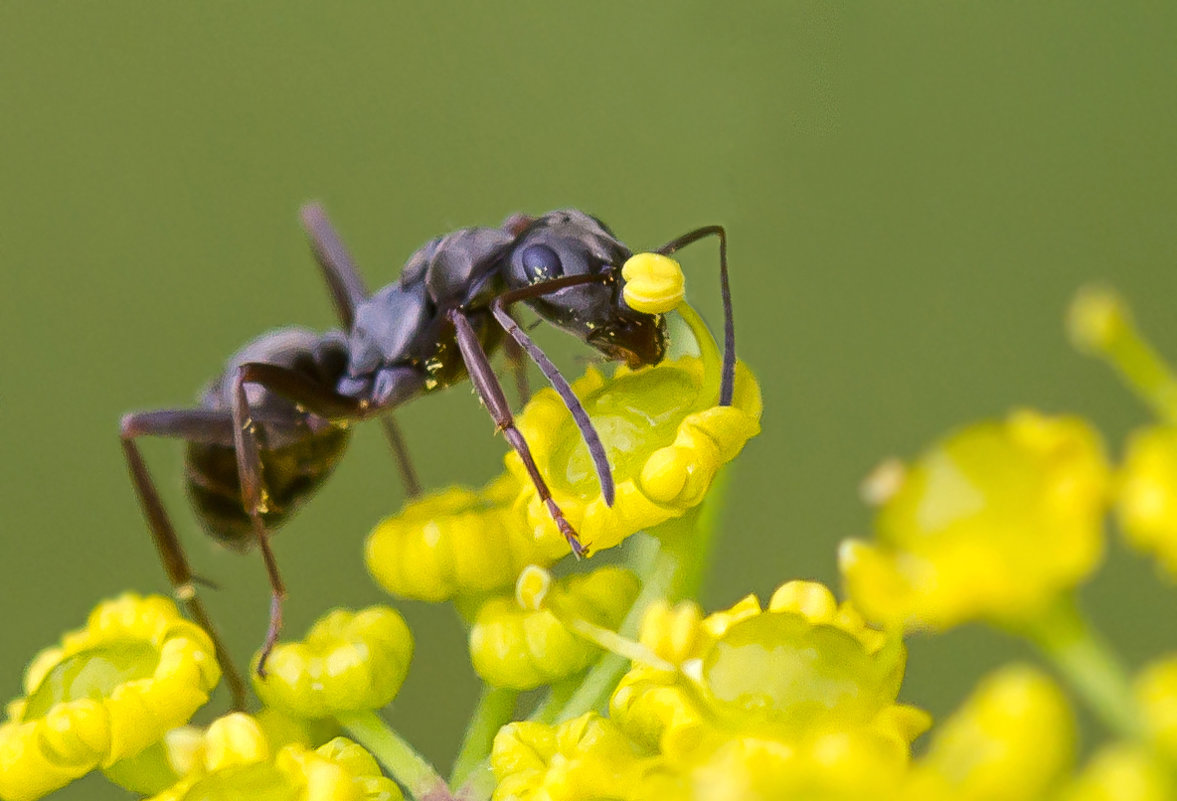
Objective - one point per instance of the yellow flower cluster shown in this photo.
(460, 542)
(798, 698)
(665, 438)
(107, 692)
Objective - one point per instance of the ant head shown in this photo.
(570, 242)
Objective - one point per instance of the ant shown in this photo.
(271, 428)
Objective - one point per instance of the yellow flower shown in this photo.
(349, 661)
(1156, 694)
(1147, 494)
(234, 759)
(524, 641)
(456, 542)
(582, 759)
(993, 522)
(803, 667)
(107, 692)
(1013, 739)
(664, 437)
(850, 765)
(1122, 772)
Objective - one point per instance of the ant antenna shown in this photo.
(728, 386)
(587, 432)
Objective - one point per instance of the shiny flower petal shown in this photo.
(664, 437)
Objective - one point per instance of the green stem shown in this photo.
(1089, 664)
(557, 697)
(400, 759)
(673, 572)
(496, 708)
(480, 786)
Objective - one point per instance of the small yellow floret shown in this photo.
(457, 542)
(1147, 494)
(532, 588)
(108, 692)
(1096, 319)
(654, 284)
(349, 661)
(518, 645)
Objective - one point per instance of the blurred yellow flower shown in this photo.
(1013, 739)
(1122, 772)
(106, 693)
(993, 522)
(1156, 695)
(1147, 494)
(349, 661)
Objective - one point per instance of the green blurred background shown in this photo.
(913, 192)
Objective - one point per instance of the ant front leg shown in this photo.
(500, 308)
(491, 391)
(190, 425)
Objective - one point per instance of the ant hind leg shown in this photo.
(200, 425)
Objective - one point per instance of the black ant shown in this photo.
(271, 428)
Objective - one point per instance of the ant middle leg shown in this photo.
(500, 308)
(491, 391)
(191, 425)
(313, 398)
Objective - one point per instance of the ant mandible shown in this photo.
(271, 428)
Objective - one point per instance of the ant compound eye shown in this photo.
(540, 263)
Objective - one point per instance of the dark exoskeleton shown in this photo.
(272, 427)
